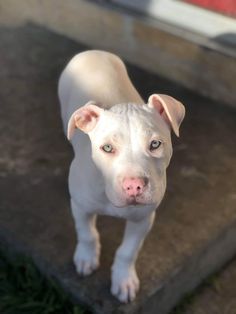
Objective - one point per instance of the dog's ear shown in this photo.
(171, 110)
(85, 118)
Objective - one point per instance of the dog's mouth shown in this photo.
(132, 202)
(119, 200)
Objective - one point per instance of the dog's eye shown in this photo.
(154, 145)
(107, 148)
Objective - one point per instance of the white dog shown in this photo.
(120, 161)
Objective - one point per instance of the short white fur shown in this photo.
(97, 97)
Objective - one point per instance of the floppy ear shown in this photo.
(170, 109)
(85, 118)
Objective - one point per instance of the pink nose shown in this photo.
(134, 186)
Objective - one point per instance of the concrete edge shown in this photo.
(208, 260)
(171, 28)
(189, 59)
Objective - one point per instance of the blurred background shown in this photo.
(184, 48)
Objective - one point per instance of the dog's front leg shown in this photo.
(125, 282)
(87, 253)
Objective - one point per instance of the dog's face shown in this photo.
(131, 146)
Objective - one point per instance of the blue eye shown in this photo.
(107, 148)
(154, 145)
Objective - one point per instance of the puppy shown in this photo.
(121, 151)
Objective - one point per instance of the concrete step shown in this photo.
(216, 296)
(195, 229)
(191, 46)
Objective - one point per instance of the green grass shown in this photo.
(23, 290)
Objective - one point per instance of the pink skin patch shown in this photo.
(133, 187)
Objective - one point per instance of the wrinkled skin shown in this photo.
(131, 156)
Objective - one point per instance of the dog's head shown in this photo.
(131, 146)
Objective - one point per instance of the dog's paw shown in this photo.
(86, 258)
(125, 284)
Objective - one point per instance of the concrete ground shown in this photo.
(195, 230)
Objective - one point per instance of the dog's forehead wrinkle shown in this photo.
(133, 115)
(129, 124)
(127, 108)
